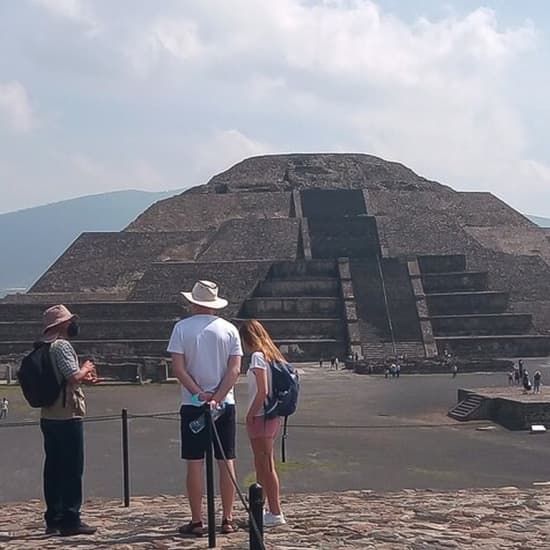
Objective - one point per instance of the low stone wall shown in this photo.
(515, 414)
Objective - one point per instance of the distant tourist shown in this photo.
(206, 359)
(517, 377)
(393, 370)
(356, 357)
(454, 370)
(511, 378)
(62, 427)
(537, 377)
(321, 363)
(332, 362)
(336, 363)
(386, 372)
(4, 405)
(526, 381)
(261, 430)
(398, 369)
(520, 368)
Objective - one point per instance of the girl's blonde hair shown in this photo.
(256, 338)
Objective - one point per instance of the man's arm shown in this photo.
(185, 379)
(230, 378)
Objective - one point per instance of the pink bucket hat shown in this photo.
(56, 315)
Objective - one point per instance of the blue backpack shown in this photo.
(283, 402)
(285, 384)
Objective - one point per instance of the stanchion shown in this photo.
(125, 465)
(256, 503)
(210, 482)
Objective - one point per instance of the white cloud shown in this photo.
(218, 81)
(77, 11)
(223, 148)
(15, 108)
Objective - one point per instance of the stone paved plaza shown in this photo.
(497, 519)
(357, 448)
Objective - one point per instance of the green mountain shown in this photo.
(32, 239)
(543, 222)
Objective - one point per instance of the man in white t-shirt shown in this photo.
(206, 359)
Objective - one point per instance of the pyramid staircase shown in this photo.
(300, 305)
(469, 319)
(466, 408)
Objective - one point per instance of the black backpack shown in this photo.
(283, 402)
(37, 377)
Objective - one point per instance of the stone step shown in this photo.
(481, 324)
(298, 287)
(107, 329)
(304, 327)
(456, 303)
(466, 408)
(442, 263)
(507, 345)
(293, 307)
(305, 268)
(455, 281)
(95, 310)
(312, 350)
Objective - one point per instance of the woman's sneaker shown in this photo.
(271, 520)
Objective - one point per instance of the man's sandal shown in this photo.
(192, 529)
(227, 526)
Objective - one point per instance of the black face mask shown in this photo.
(73, 329)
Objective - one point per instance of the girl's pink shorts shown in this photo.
(263, 427)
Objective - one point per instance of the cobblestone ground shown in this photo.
(412, 519)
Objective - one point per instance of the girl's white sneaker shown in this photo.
(271, 520)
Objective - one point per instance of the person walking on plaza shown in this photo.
(4, 406)
(520, 368)
(262, 431)
(537, 377)
(206, 359)
(61, 425)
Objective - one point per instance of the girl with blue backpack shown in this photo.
(265, 409)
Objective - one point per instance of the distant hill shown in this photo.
(32, 239)
(543, 222)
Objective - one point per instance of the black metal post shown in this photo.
(210, 482)
(256, 520)
(125, 465)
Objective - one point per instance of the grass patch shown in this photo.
(282, 469)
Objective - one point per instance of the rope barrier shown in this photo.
(174, 416)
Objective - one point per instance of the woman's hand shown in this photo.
(249, 418)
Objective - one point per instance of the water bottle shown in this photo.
(199, 423)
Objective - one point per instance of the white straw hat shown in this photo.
(205, 294)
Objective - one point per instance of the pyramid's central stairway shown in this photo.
(300, 304)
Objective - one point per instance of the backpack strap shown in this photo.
(283, 439)
(60, 378)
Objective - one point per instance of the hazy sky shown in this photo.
(98, 95)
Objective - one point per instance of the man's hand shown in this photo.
(88, 367)
(92, 378)
(205, 396)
